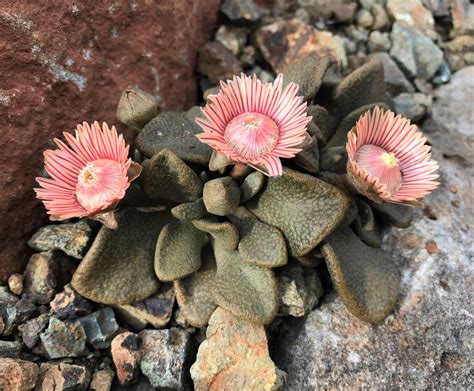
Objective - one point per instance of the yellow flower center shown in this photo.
(389, 159)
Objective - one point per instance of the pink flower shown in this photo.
(389, 159)
(88, 177)
(255, 123)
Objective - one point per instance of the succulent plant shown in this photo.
(221, 222)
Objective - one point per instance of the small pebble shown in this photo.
(365, 19)
(411, 241)
(15, 283)
(432, 247)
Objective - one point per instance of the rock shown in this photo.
(165, 356)
(70, 72)
(16, 314)
(10, 349)
(248, 56)
(32, 329)
(41, 277)
(243, 11)
(100, 327)
(126, 355)
(102, 380)
(317, 9)
(452, 104)
(364, 19)
(283, 42)
(15, 283)
(232, 38)
(119, 258)
(70, 304)
(381, 20)
(154, 311)
(6, 297)
(462, 12)
(17, 375)
(176, 132)
(343, 10)
(397, 215)
(412, 13)
(415, 52)
(459, 52)
(395, 80)
(136, 107)
(379, 42)
(69, 238)
(427, 340)
(299, 290)
(221, 196)
(63, 376)
(442, 75)
(412, 106)
(217, 62)
(234, 356)
(64, 339)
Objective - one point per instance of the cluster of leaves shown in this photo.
(218, 231)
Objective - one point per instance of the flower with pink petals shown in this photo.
(89, 176)
(389, 160)
(255, 123)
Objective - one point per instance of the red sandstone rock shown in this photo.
(17, 375)
(126, 355)
(65, 62)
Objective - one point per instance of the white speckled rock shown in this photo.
(427, 343)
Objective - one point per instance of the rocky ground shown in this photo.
(51, 338)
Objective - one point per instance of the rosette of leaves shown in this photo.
(223, 230)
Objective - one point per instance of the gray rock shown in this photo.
(10, 348)
(64, 339)
(318, 9)
(379, 42)
(395, 80)
(415, 52)
(165, 355)
(244, 11)
(381, 20)
(100, 327)
(364, 18)
(443, 74)
(6, 298)
(41, 277)
(413, 106)
(33, 328)
(233, 38)
(299, 290)
(453, 104)
(427, 342)
(71, 238)
(16, 314)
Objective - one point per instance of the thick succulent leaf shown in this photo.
(366, 278)
(178, 251)
(219, 161)
(248, 291)
(305, 209)
(365, 225)
(260, 244)
(348, 122)
(224, 233)
(118, 269)
(363, 86)
(166, 176)
(322, 121)
(334, 159)
(193, 293)
(308, 158)
(190, 210)
(176, 132)
(308, 73)
(252, 184)
(221, 196)
(397, 215)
